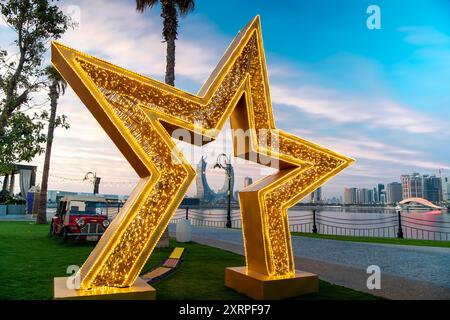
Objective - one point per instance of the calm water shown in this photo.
(379, 222)
(357, 221)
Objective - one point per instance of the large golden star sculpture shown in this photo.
(140, 114)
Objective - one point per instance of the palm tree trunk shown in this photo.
(170, 28)
(170, 62)
(42, 212)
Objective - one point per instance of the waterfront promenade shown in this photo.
(407, 272)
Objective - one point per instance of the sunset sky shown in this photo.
(379, 96)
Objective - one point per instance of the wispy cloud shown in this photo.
(424, 36)
(132, 40)
(347, 108)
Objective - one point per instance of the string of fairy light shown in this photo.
(72, 180)
(104, 182)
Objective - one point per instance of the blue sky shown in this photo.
(380, 96)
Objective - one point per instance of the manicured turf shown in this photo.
(407, 242)
(30, 259)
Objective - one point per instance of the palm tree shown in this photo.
(170, 11)
(57, 87)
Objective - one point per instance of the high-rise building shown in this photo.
(333, 200)
(350, 195)
(376, 196)
(380, 191)
(360, 195)
(205, 192)
(394, 192)
(198, 181)
(371, 196)
(432, 188)
(383, 197)
(426, 186)
(247, 181)
(445, 186)
(412, 186)
(316, 195)
(363, 196)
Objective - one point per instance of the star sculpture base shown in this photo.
(261, 287)
(140, 290)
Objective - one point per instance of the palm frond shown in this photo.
(141, 5)
(55, 78)
(185, 6)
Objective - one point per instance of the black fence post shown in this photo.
(314, 228)
(187, 213)
(400, 230)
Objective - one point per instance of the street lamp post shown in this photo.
(314, 228)
(399, 217)
(223, 162)
(92, 176)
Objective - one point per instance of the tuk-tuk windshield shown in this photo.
(88, 207)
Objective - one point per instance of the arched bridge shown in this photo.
(421, 201)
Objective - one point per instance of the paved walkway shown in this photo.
(407, 272)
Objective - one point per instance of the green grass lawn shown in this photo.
(408, 242)
(30, 259)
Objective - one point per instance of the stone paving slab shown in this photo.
(407, 272)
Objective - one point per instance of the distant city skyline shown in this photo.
(216, 179)
(434, 188)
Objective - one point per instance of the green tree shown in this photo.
(57, 87)
(170, 11)
(35, 23)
